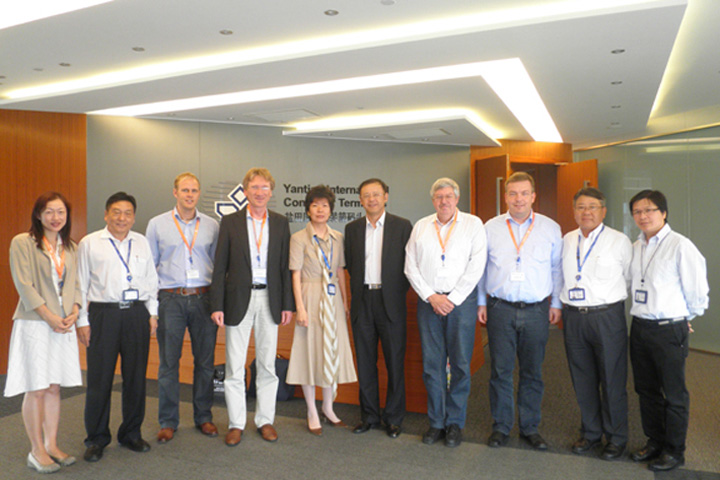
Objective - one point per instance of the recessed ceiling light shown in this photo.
(618, 51)
(3, 76)
(138, 49)
(435, 28)
(226, 32)
(231, 118)
(38, 69)
(387, 2)
(63, 64)
(29, 11)
(616, 82)
(331, 13)
(615, 106)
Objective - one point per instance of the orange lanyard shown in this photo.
(443, 243)
(59, 267)
(527, 234)
(258, 240)
(197, 227)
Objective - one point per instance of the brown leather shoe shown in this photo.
(315, 431)
(268, 433)
(233, 437)
(165, 435)
(209, 429)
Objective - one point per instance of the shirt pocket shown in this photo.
(542, 253)
(606, 269)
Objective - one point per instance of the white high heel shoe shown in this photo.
(33, 463)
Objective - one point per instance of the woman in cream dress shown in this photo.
(321, 354)
(43, 354)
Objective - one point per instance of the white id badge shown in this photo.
(260, 272)
(576, 294)
(517, 276)
(442, 272)
(641, 296)
(130, 295)
(331, 289)
(192, 274)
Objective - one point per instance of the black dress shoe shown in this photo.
(584, 445)
(497, 439)
(433, 435)
(648, 452)
(612, 451)
(666, 462)
(535, 441)
(136, 445)
(453, 436)
(93, 453)
(364, 427)
(393, 431)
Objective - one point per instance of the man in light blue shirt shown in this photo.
(183, 243)
(524, 268)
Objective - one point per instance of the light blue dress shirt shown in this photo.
(259, 258)
(539, 264)
(172, 257)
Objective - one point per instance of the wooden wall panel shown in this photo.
(527, 152)
(39, 151)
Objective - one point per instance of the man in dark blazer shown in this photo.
(375, 258)
(252, 291)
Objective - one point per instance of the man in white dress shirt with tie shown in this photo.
(596, 272)
(524, 268)
(119, 288)
(445, 258)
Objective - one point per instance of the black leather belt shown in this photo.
(660, 322)
(372, 286)
(116, 305)
(520, 305)
(590, 309)
(258, 286)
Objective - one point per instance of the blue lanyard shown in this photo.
(328, 264)
(587, 254)
(124, 262)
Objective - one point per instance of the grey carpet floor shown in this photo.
(340, 454)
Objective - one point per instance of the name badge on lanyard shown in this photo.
(130, 295)
(517, 275)
(331, 289)
(641, 296)
(576, 294)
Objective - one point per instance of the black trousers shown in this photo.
(596, 345)
(112, 332)
(372, 324)
(658, 354)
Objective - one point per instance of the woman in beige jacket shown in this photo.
(43, 345)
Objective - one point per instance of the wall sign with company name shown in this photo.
(292, 204)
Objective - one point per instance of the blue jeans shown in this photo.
(178, 312)
(447, 338)
(523, 332)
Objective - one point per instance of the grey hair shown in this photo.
(444, 183)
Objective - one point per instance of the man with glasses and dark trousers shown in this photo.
(596, 272)
(375, 258)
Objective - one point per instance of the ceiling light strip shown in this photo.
(337, 43)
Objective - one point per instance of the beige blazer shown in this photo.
(31, 270)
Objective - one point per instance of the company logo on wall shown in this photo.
(292, 205)
(237, 201)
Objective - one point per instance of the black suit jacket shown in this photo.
(394, 283)
(232, 274)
